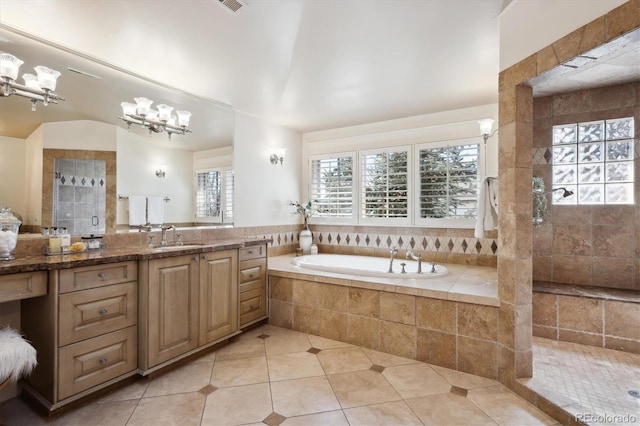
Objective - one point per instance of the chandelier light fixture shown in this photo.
(38, 87)
(158, 120)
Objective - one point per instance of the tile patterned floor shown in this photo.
(596, 379)
(276, 377)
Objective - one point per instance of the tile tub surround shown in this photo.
(604, 318)
(451, 321)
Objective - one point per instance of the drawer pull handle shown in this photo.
(251, 275)
(249, 251)
(195, 258)
(251, 307)
(103, 361)
(204, 256)
(103, 311)
(101, 275)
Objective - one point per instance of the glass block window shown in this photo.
(214, 195)
(332, 186)
(385, 184)
(594, 160)
(448, 179)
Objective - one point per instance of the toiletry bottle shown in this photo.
(54, 243)
(65, 240)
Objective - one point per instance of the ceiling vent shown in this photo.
(232, 6)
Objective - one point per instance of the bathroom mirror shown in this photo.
(93, 92)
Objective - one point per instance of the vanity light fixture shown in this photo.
(38, 88)
(277, 157)
(486, 125)
(157, 121)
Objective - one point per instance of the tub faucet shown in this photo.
(392, 251)
(164, 228)
(410, 255)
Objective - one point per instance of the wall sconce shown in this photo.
(485, 128)
(277, 157)
(161, 171)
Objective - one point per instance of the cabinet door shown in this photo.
(173, 307)
(218, 295)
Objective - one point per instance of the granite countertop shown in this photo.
(42, 262)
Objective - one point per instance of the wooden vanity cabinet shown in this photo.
(168, 308)
(252, 277)
(85, 331)
(186, 303)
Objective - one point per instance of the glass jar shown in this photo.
(9, 225)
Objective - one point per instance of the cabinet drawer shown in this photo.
(89, 313)
(252, 252)
(22, 286)
(97, 276)
(253, 305)
(95, 361)
(252, 270)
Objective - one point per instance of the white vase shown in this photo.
(305, 241)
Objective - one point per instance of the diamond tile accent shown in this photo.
(437, 244)
(367, 240)
(459, 391)
(378, 241)
(329, 238)
(358, 239)
(338, 238)
(377, 368)
(314, 350)
(450, 245)
(412, 243)
(264, 336)
(348, 239)
(274, 419)
(464, 245)
(207, 390)
(478, 246)
(424, 244)
(400, 242)
(389, 241)
(547, 155)
(494, 247)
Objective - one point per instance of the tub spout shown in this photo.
(392, 252)
(410, 255)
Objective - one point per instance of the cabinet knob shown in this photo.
(204, 256)
(101, 275)
(103, 311)
(103, 361)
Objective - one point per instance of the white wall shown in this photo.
(80, 134)
(527, 26)
(13, 174)
(211, 158)
(137, 159)
(34, 177)
(263, 190)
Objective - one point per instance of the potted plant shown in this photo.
(306, 210)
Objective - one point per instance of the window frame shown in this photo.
(222, 218)
(354, 190)
(445, 222)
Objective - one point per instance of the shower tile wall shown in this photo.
(587, 245)
(79, 194)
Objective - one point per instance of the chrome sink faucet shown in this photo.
(392, 251)
(410, 255)
(164, 228)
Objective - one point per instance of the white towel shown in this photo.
(487, 207)
(155, 210)
(137, 210)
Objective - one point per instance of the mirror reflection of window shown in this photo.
(214, 195)
(79, 188)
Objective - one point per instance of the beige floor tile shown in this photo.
(448, 409)
(342, 360)
(324, 343)
(286, 343)
(303, 396)
(385, 359)
(506, 408)
(110, 413)
(248, 348)
(362, 388)
(272, 330)
(333, 418)
(238, 405)
(206, 357)
(188, 378)
(388, 413)
(295, 365)
(237, 372)
(183, 409)
(463, 380)
(414, 380)
(133, 390)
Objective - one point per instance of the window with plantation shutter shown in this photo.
(214, 195)
(332, 186)
(385, 184)
(448, 181)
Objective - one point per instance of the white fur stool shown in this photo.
(17, 357)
